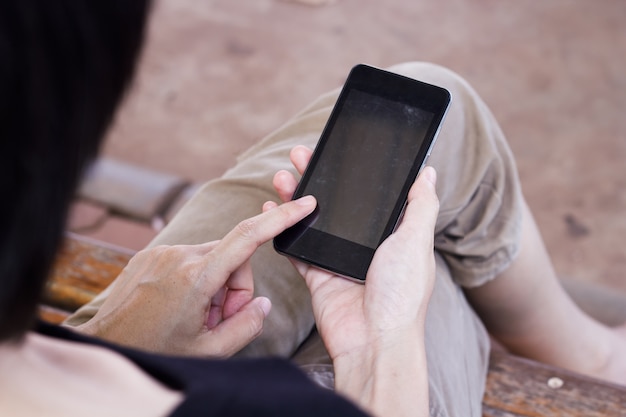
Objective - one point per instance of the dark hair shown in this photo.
(64, 67)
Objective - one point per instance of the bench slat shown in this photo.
(83, 269)
(522, 387)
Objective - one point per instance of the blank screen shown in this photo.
(370, 151)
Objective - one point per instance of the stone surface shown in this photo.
(218, 75)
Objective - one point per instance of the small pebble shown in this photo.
(555, 383)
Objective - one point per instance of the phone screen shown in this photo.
(357, 182)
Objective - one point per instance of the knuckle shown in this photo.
(247, 229)
(170, 263)
(222, 349)
(255, 324)
(157, 253)
(158, 249)
(167, 253)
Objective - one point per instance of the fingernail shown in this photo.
(306, 201)
(430, 174)
(266, 305)
(268, 205)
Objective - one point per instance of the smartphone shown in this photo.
(377, 138)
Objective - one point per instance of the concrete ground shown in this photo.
(217, 75)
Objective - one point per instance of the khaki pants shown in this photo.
(477, 236)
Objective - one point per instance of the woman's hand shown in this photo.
(374, 332)
(398, 283)
(196, 299)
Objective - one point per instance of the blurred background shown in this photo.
(217, 75)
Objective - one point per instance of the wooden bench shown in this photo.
(515, 386)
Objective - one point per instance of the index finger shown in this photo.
(241, 242)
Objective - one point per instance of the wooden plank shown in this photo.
(489, 411)
(83, 269)
(53, 315)
(521, 387)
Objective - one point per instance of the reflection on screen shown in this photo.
(358, 182)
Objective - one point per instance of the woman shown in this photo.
(492, 270)
(65, 67)
(64, 70)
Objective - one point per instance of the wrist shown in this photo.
(387, 376)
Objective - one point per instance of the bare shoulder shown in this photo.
(65, 378)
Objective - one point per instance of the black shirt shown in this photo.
(234, 387)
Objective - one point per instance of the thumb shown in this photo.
(234, 333)
(423, 203)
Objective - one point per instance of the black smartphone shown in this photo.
(377, 139)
